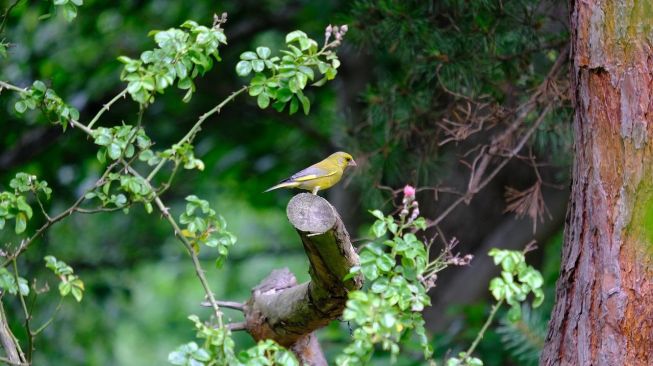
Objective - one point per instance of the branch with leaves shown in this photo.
(182, 55)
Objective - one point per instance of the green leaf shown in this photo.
(379, 228)
(279, 106)
(69, 12)
(20, 106)
(39, 86)
(294, 106)
(380, 285)
(77, 293)
(539, 297)
(65, 288)
(295, 35)
(258, 65)
(307, 71)
(498, 288)
(263, 100)
(370, 272)
(187, 96)
(330, 73)
(378, 214)
(367, 255)
(514, 314)
(7, 281)
(23, 286)
(284, 95)
(388, 320)
(302, 79)
(385, 262)
(255, 90)
(293, 85)
(114, 151)
(263, 52)
(420, 223)
(353, 272)
(243, 68)
(306, 104)
(259, 79)
(21, 223)
(473, 361)
(249, 55)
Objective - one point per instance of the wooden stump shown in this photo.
(289, 313)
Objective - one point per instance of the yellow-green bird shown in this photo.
(319, 176)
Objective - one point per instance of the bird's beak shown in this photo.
(351, 163)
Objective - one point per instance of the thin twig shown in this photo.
(480, 334)
(26, 242)
(191, 133)
(189, 247)
(8, 86)
(38, 200)
(81, 126)
(99, 209)
(237, 326)
(6, 15)
(49, 321)
(477, 183)
(497, 169)
(106, 108)
(226, 304)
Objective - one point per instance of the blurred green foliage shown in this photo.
(428, 57)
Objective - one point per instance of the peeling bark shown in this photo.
(289, 313)
(604, 301)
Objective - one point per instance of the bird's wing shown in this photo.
(310, 173)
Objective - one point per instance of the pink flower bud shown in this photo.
(415, 214)
(344, 29)
(409, 191)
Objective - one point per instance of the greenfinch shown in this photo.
(319, 176)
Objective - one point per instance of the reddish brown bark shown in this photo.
(604, 302)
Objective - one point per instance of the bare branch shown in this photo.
(189, 248)
(106, 107)
(478, 179)
(191, 133)
(226, 304)
(69, 211)
(237, 326)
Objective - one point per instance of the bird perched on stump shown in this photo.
(319, 176)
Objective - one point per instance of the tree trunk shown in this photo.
(604, 302)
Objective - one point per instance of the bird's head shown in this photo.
(343, 159)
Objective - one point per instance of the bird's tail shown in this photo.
(282, 185)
